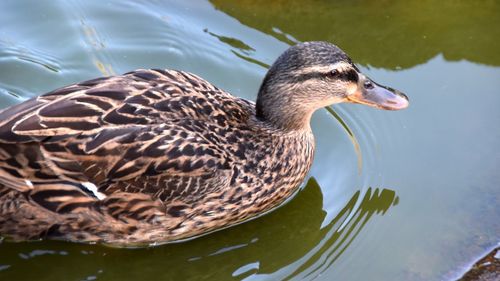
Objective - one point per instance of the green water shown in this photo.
(408, 195)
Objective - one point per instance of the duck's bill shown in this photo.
(375, 95)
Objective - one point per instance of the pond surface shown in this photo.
(407, 195)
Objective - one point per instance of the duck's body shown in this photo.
(149, 156)
(171, 156)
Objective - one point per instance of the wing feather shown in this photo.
(148, 132)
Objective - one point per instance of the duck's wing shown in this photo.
(146, 132)
(142, 97)
(123, 178)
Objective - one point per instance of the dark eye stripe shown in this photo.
(350, 75)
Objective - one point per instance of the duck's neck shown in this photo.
(286, 115)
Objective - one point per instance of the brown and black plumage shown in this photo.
(153, 156)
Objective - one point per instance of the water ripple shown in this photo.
(344, 228)
(9, 51)
(11, 94)
(351, 135)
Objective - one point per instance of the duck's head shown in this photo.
(312, 75)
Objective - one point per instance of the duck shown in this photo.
(157, 155)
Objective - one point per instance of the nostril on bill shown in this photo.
(368, 84)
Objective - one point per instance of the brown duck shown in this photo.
(154, 156)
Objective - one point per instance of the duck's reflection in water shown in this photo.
(294, 233)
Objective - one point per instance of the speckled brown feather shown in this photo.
(172, 155)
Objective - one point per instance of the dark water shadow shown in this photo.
(261, 246)
(387, 34)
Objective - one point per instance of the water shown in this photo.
(409, 195)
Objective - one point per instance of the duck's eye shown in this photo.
(334, 73)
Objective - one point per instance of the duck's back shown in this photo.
(141, 97)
